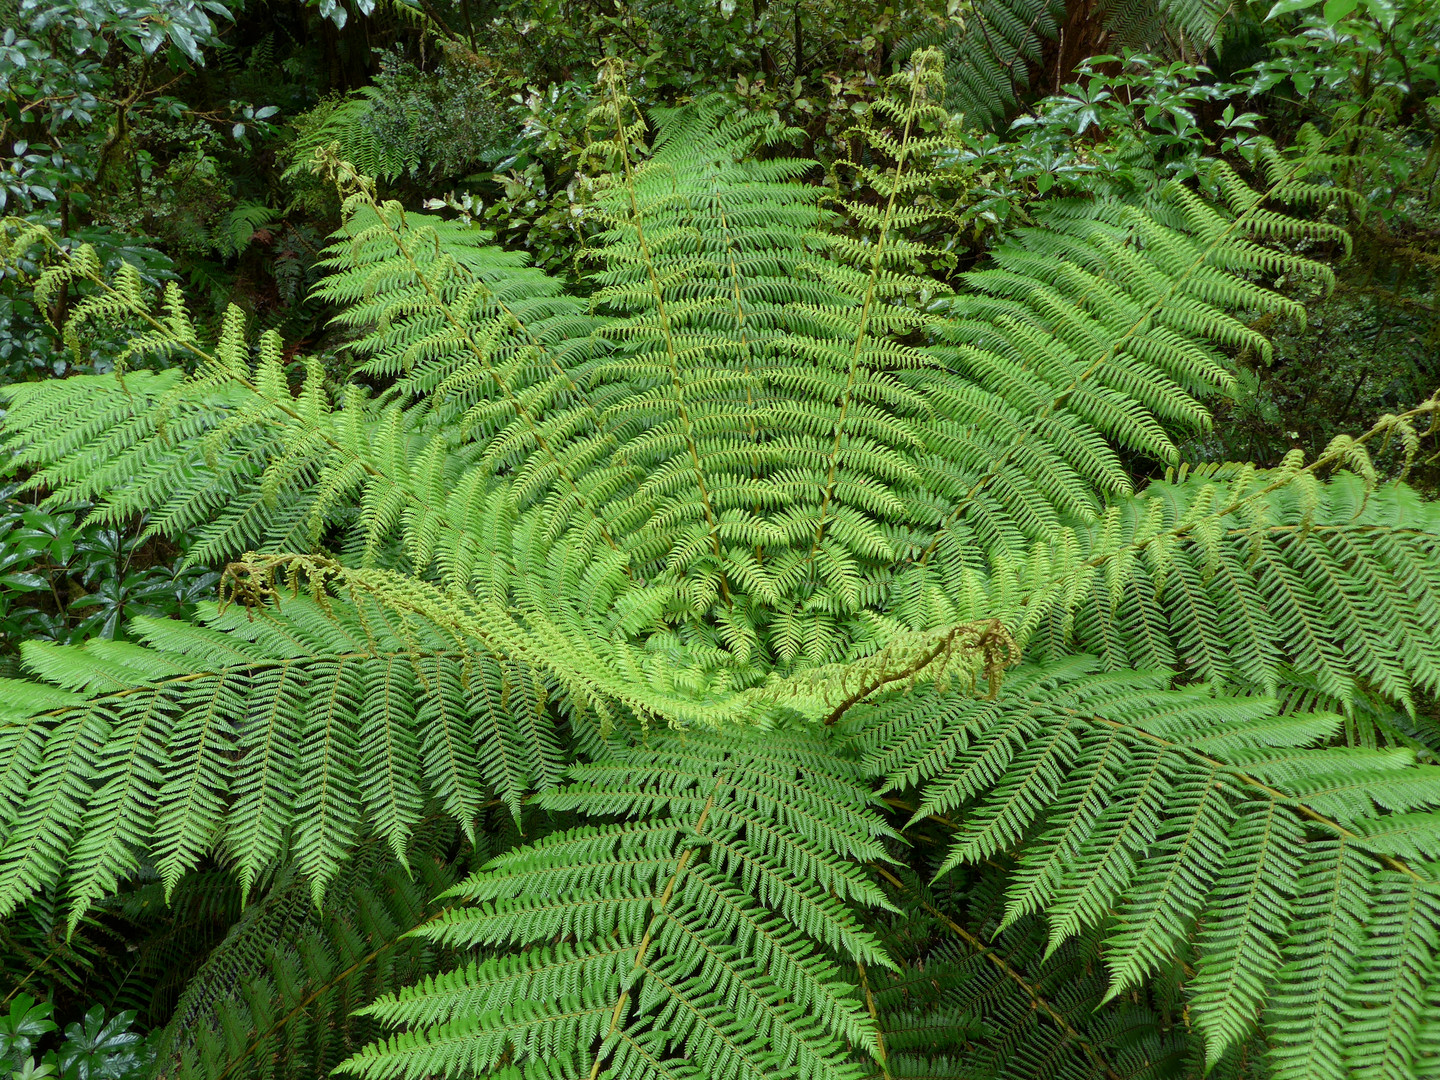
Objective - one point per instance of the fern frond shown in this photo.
(281, 995)
(696, 924)
(301, 731)
(1236, 582)
(1002, 1006)
(1185, 809)
(345, 126)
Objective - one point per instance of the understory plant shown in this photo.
(96, 1048)
(764, 664)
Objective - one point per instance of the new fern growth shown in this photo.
(825, 698)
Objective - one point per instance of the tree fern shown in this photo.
(675, 574)
(732, 443)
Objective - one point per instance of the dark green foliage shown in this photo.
(95, 1048)
(443, 121)
(994, 48)
(1366, 350)
(282, 995)
(66, 581)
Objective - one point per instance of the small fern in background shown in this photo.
(441, 122)
(992, 48)
(990, 51)
(241, 225)
(343, 122)
(764, 664)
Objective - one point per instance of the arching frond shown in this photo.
(1238, 576)
(692, 933)
(291, 735)
(1161, 816)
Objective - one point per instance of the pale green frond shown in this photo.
(297, 732)
(667, 947)
(1162, 817)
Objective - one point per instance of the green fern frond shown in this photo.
(297, 733)
(242, 223)
(691, 933)
(1002, 1006)
(1184, 809)
(1236, 590)
(1233, 575)
(281, 995)
(344, 124)
(1390, 989)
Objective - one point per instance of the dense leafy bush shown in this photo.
(66, 579)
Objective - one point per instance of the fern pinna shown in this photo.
(823, 695)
